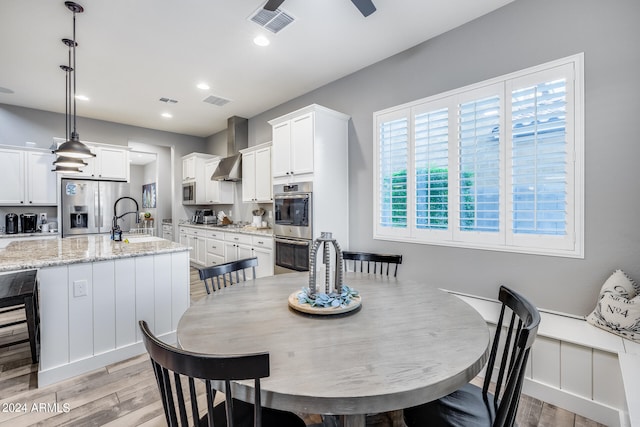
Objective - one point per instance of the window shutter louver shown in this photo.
(539, 159)
(393, 157)
(479, 165)
(432, 169)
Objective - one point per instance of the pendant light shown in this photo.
(73, 147)
(67, 165)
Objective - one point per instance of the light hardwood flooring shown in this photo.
(125, 393)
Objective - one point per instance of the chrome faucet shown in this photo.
(116, 233)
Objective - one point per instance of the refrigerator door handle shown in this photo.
(96, 209)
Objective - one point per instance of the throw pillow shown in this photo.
(618, 308)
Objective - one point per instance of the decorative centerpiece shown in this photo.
(337, 297)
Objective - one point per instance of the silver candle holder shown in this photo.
(326, 239)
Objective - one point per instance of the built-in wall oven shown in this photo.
(293, 225)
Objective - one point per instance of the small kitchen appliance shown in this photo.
(11, 223)
(29, 222)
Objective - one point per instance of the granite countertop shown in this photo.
(231, 229)
(27, 254)
(21, 235)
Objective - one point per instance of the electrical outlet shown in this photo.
(80, 288)
(43, 217)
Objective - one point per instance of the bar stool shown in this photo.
(19, 291)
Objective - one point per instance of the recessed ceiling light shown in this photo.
(203, 86)
(261, 41)
(167, 115)
(82, 97)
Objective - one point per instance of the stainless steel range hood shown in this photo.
(230, 168)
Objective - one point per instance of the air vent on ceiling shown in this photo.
(216, 100)
(273, 21)
(168, 100)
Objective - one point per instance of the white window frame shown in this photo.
(571, 245)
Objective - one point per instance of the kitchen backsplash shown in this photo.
(51, 211)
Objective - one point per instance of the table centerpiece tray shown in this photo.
(355, 303)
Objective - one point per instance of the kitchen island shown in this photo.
(93, 291)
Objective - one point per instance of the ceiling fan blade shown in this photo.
(272, 5)
(365, 7)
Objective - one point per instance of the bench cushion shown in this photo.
(618, 308)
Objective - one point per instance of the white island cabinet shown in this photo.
(93, 292)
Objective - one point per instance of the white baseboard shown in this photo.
(82, 366)
(595, 411)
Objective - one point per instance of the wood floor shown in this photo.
(125, 393)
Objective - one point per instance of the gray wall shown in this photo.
(521, 34)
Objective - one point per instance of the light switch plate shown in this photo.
(80, 288)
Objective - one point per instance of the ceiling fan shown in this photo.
(365, 7)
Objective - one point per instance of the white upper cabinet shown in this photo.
(220, 192)
(188, 169)
(293, 146)
(301, 138)
(198, 168)
(111, 162)
(256, 174)
(27, 177)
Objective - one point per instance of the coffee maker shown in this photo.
(29, 222)
(11, 223)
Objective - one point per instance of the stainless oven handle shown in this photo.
(292, 242)
(291, 196)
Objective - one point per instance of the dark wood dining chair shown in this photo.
(177, 370)
(222, 275)
(475, 406)
(19, 291)
(378, 261)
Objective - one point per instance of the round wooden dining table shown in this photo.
(408, 343)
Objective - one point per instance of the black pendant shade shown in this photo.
(71, 151)
(74, 148)
(65, 170)
(69, 162)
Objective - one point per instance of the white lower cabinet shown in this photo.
(211, 247)
(196, 240)
(262, 248)
(215, 248)
(237, 246)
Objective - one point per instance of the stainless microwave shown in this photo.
(189, 193)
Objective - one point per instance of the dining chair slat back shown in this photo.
(177, 370)
(380, 263)
(515, 333)
(223, 275)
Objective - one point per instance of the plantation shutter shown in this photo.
(393, 157)
(432, 169)
(542, 159)
(479, 177)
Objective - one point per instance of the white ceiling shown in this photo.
(132, 53)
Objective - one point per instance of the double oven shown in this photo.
(293, 211)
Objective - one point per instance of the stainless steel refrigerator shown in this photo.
(87, 206)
